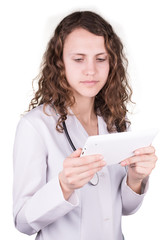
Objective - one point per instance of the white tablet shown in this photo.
(116, 147)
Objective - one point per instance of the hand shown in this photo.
(77, 171)
(140, 166)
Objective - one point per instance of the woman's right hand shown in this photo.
(77, 171)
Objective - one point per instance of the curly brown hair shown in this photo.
(111, 101)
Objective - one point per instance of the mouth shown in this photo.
(89, 83)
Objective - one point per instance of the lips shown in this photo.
(89, 82)
(92, 81)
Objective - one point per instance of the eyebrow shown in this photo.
(82, 54)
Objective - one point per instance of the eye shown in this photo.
(78, 59)
(101, 59)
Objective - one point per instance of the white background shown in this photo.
(25, 29)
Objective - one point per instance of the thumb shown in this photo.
(76, 153)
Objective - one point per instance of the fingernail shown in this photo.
(101, 157)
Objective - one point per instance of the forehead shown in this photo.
(82, 40)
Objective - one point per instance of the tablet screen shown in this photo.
(116, 147)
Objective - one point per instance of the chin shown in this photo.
(90, 94)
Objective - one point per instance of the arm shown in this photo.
(131, 201)
(36, 203)
(140, 167)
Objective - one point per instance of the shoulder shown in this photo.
(36, 125)
(41, 113)
(40, 117)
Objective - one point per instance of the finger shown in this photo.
(78, 181)
(145, 165)
(87, 160)
(145, 150)
(88, 167)
(71, 162)
(140, 171)
(139, 158)
(89, 174)
(76, 153)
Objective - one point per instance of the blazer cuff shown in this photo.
(144, 186)
(48, 204)
(132, 201)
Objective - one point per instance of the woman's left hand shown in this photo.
(140, 166)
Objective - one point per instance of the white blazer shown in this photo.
(92, 212)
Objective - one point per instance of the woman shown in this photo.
(82, 86)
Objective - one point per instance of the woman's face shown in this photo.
(86, 62)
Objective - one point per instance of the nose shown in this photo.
(90, 68)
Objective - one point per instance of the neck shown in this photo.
(84, 110)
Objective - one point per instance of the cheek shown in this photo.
(103, 67)
(71, 75)
(68, 71)
(104, 72)
(107, 70)
(71, 70)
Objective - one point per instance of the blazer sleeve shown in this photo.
(132, 201)
(36, 203)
